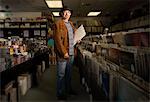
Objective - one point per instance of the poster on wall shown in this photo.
(26, 33)
(1, 34)
(43, 33)
(37, 32)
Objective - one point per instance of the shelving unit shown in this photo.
(30, 33)
(93, 29)
(140, 22)
(95, 66)
(30, 28)
(10, 77)
(118, 62)
(92, 26)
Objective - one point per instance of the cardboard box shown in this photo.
(13, 95)
(10, 93)
(8, 87)
(22, 80)
(29, 79)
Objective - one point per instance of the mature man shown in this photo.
(64, 48)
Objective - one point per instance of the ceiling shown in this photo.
(80, 7)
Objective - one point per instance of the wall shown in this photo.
(91, 21)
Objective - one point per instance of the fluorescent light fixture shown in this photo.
(93, 13)
(56, 13)
(54, 4)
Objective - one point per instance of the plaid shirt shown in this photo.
(70, 37)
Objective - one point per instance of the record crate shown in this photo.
(127, 91)
(119, 88)
(143, 65)
(136, 62)
(80, 63)
(127, 61)
(95, 71)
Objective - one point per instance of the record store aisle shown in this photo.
(46, 90)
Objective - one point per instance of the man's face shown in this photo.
(66, 14)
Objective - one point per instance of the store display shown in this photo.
(20, 51)
(113, 56)
(120, 54)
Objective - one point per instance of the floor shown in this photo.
(46, 90)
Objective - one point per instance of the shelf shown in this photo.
(109, 66)
(135, 53)
(26, 21)
(135, 79)
(112, 68)
(125, 57)
(128, 49)
(25, 28)
(11, 27)
(132, 24)
(12, 73)
(131, 49)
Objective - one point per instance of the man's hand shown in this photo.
(66, 56)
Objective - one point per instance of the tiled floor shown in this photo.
(46, 90)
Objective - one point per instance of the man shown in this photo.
(64, 48)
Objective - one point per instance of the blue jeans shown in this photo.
(64, 70)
